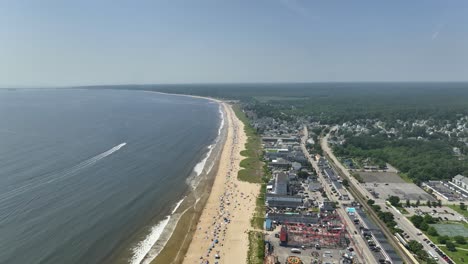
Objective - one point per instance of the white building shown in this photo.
(461, 181)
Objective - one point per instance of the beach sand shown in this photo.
(225, 221)
(218, 223)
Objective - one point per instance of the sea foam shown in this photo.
(142, 250)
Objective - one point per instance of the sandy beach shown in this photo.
(216, 217)
(222, 229)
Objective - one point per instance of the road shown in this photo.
(367, 256)
(406, 225)
(402, 222)
(360, 192)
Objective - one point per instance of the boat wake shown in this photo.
(58, 176)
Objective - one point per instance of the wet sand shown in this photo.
(222, 230)
(217, 218)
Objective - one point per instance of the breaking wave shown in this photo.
(142, 252)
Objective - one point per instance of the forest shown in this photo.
(336, 103)
(420, 160)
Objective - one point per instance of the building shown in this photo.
(330, 174)
(327, 206)
(296, 166)
(281, 183)
(315, 186)
(461, 181)
(283, 201)
(280, 164)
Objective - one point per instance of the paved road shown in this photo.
(353, 182)
(367, 256)
(401, 220)
(406, 225)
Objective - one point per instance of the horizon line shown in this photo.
(228, 83)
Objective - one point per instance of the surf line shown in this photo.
(61, 175)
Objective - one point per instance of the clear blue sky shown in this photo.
(84, 42)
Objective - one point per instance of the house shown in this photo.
(315, 186)
(322, 162)
(327, 206)
(296, 166)
(461, 181)
(281, 183)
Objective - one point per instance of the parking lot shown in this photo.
(405, 191)
(381, 177)
(444, 212)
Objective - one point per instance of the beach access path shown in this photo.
(222, 232)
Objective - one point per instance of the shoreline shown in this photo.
(184, 237)
(191, 208)
(222, 211)
(157, 242)
(221, 234)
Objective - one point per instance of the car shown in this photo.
(355, 232)
(425, 239)
(431, 245)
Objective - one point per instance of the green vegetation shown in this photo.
(423, 222)
(440, 104)
(419, 160)
(446, 243)
(254, 171)
(334, 103)
(259, 215)
(457, 209)
(252, 165)
(256, 252)
(386, 217)
(415, 247)
(357, 176)
(394, 200)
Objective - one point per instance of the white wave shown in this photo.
(177, 205)
(140, 251)
(36, 183)
(198, 169)
(221, 114)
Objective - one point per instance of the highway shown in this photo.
(367, 256)
(360, 194)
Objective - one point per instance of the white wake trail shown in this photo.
(59, 175)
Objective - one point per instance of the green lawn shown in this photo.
(458, 210)
(459, 256)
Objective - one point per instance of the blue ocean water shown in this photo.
(82, 171)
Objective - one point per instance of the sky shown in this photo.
(92, 42)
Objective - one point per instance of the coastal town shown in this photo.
(321, 208)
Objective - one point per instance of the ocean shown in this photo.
(93, 176)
